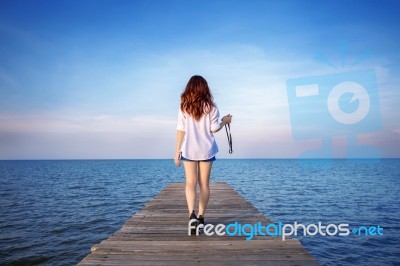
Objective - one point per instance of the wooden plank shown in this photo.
(158, 235)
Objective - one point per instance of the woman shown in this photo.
(198, 119)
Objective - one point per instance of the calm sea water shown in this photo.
(52, 212)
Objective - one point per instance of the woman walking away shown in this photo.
(198, 119)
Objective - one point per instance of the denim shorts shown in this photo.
(208, 160)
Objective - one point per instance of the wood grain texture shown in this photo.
(158, 235)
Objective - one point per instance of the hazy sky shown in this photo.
(102, 79)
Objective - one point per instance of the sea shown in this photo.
(53, 211)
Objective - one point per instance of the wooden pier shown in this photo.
(158, 235)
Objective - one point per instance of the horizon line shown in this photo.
(256, 158)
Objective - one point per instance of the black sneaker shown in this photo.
(194, 223)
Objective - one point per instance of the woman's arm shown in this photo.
(225, 120)
(179, 139)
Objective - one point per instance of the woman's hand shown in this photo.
(177, 159)
(227, 119)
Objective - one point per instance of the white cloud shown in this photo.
(60, 123)
(137, 114)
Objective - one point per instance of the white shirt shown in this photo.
(199, 142)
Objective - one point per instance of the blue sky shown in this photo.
(102, 79)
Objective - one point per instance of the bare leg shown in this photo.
(191, 183)
(204, 182)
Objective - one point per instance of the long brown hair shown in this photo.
(197, 99)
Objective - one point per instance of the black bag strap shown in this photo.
(228, 128)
